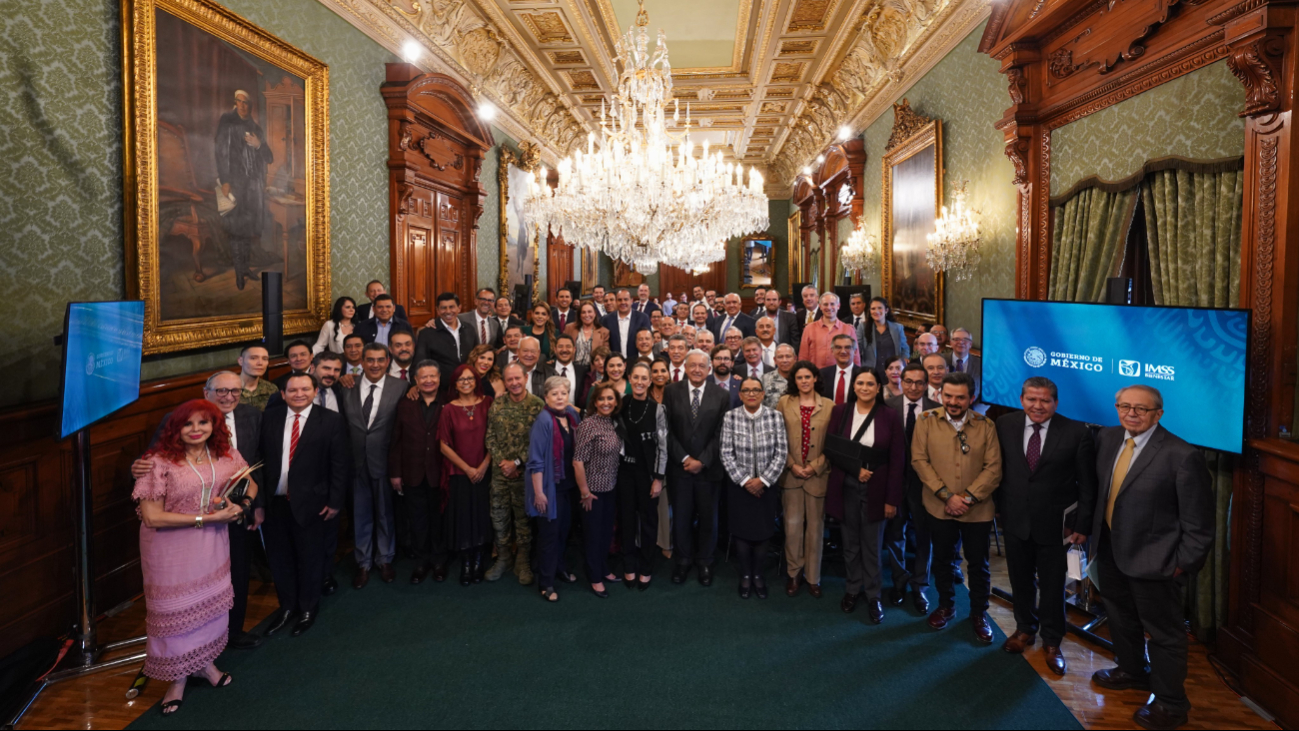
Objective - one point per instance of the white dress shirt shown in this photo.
(769, 355)
(760, 368)
(726, 325)
(527, 380)
(957, 425)
(327, 398)
(234, 433)
(282, 487)
(484, 324)
(867, 437)
(1142, 439)
(676, 372)
(846, 375)
(906, 409)
(624, 327)
(455, 334)
(353, 370)
(568, 316)
(566, 370)
(368, 387)
(395, 369)
(1028, 432)
(935, 394)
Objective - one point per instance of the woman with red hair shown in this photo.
(185, 548)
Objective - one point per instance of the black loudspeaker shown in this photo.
(523, 297)
(573, 286)
(846, 291)
(273, 311)
(1118, 291)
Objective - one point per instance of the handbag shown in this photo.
(850, 455)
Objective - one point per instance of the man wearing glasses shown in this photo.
(1154, 525)
(482, 320)
(913, 402)
(957, 455)
(960, 361)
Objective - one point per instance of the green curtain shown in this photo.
(1193, 226)
(1089, 231)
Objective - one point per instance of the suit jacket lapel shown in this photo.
(1144, 459)
(1049, 442)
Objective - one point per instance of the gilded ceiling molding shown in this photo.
(465, 45)
(897, 43)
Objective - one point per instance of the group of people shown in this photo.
(479, 438)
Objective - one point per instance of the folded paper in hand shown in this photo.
(225, 203)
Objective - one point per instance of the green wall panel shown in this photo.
(61, 170)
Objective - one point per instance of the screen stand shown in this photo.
(85, 643)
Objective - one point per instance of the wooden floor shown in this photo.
(98, 701)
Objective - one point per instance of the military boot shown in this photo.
(504, 562)
(522, 566)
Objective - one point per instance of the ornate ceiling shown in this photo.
(771, 81)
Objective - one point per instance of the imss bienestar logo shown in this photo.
(1133, 369)
(1130, 368)
(1035, 357)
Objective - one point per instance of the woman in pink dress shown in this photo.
(185, 548)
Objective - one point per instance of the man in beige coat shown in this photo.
(956, 453)
(805, 481)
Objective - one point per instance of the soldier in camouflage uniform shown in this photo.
(509, 431)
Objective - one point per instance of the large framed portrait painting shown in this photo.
(227, 174)
(519, 238)
(913, 185)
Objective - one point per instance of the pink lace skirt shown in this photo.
(188, 597)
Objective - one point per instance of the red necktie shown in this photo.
(839, 390)
(676, 374)
(482, 334)
(562, 318)
(293, 437)
(403, 374)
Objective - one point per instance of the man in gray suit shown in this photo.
(913, 402)
(1154, 521)
(371, 409)
(962, 362)
(482, 319)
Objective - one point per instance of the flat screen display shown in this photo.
(102, 344)
(1196, 358)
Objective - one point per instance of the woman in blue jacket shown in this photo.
(550, 475)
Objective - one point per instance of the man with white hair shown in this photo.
(241, 160)
(732, 318)
(818, 337)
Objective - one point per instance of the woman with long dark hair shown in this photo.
(185, 547)
(586, 332)
(883, 337)
(615, 373)
(466, 471)
(807, 420)
(659, 377)
(871, 487)
(337, 327)
(483, 360)
(893, 377)
(640, 476)
(541, 327)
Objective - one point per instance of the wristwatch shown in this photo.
(198, 521)
(944, 494)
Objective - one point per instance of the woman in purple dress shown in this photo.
(185, 548)
(467, 472)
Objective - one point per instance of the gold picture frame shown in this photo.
(590, 273)
(913, 171)
(796, 253)
(526, 160)
(165, 169)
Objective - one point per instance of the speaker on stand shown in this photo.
(273, 312)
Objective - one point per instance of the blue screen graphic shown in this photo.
(1195, 357)
(101, 361)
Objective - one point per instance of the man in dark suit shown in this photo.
(563, 313)
(643, 302)
(624, 324)
(447, 342)
(366, 311)
(809, 313)
(911, 404)
(695, 410)
(534, 370)
(244, 423)
(759, 302)
(298, 354)
(313, 470)
(384, 323)
(482, 319)
(961, 361)
(785, 321)
(723, 361)
(564, 367)
(371, 408)
(837, 380)
(1048, 464)
(504, 319)
(751, 364)
(1155, 522)
(733, 319)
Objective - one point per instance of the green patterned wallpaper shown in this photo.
(968, 93)
(61, 179)
(1192, 116)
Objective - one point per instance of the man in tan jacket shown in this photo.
(956, 453)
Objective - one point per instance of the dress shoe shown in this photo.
(245, 641)
(791, 586)
(941, 617)
(920, 601)
(1119, 679)
(897, 595)
(1054, 659)
(602, 593)
(705, 575)
(849, 603)
(643, 585)
(419, 574)
(814, 590)
(361, 579)
(876, 609)
(1018, 642)
(479, 569)
(759, 587)
(329, 587)
(440, 572)
(982, 630)
(679, 573)
(279, 621)
(466, 572)
(387, 573)
(304, 624)
(958, 576)
(746, 587)
(499, 569)
(1156, 715)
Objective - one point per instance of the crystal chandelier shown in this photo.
(638, 193)
(954, 244)
(860, 253)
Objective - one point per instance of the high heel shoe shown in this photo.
(602, 593)
(479, 571)
(629, 583)
(759, 587)
(746, 587)
(171, 707)
(643, 585)
(466, 572)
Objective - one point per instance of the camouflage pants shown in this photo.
(507, 510)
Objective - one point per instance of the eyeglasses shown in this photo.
(467, 380)
(223, 392)
(913, 382)
(965, 446)
(751, 391)
(1138, 410)
(962, 340)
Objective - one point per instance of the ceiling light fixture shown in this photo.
(411, 51)
(486, 111)
(638, 192)
(845, 133)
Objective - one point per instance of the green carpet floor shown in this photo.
(497, 656)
